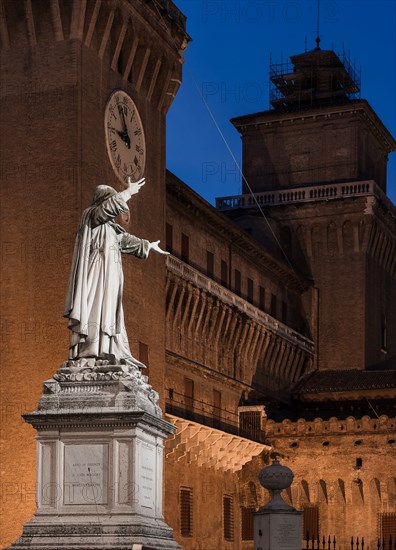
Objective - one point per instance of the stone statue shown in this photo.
(94, 295)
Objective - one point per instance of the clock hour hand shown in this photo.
(125, 138)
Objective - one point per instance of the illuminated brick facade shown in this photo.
(235, 337)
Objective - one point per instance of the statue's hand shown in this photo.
(134, 186)
(155, 246)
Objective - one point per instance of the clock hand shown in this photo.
(127, 141)
(124, 126)
(125, 135)
(125, 138)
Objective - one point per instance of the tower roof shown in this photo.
(313, 77)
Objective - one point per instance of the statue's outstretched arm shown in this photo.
(132, 189)
(155, 246)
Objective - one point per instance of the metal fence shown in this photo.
(330, 543)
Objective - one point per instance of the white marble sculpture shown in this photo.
(94, 295)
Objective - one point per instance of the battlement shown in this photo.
(333, 426)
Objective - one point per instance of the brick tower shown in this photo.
(316, 163)
(59, 62)
(315, 166)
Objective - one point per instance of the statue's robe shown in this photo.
(94, 295)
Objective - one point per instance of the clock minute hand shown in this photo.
(124, 126)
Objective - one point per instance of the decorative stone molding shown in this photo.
(185, 272)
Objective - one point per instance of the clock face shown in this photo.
(124, 137)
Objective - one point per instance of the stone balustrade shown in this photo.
(305, 194)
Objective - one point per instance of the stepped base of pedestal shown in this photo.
(137, 534)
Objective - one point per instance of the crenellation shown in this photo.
(333, 426)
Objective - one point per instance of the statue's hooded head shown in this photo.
(102, 192)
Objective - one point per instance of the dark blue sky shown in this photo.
(228, 62)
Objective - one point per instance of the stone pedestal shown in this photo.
(277, 525)
(277, 530)
(100, 438)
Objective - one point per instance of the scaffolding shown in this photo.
(318, 75)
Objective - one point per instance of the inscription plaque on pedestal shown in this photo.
(147, 477)
(277, 530)
(85, 474)
(285, 532)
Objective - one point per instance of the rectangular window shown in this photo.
(185, 248)
(228, 517)
(237, 282)
(189, 393)
(209, 264)
(262, 298)
(388, 527)
(186, 512)
(250, 290)
(311, 522)
(273, 306)
(169, 237)
(224, 273)
(284, 312)
(250, 425)
(247, 522)
(144, 356)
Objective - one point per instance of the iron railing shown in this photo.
(357, 543)
(208, 414)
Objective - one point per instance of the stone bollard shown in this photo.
(277, 525)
